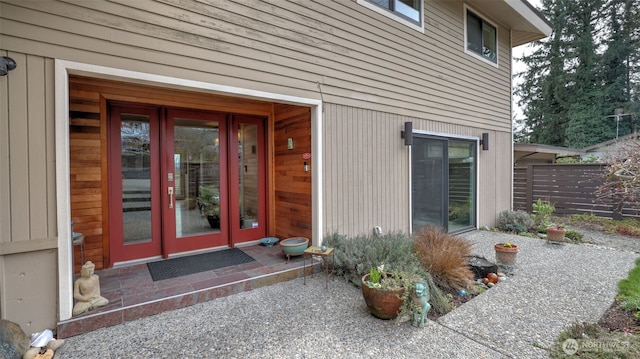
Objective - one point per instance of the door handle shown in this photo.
(170, 191)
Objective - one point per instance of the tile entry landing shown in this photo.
(133, 294)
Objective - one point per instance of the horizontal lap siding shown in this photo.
(361, 58)
(86, 185)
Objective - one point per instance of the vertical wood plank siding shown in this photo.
(28, 227)
(27, 156)
(366, 168)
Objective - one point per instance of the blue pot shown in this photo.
(294, 246)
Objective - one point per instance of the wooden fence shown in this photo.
(569, 187)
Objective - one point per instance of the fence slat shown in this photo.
(570, 187)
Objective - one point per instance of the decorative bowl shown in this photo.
(294, 246)
(269, 241)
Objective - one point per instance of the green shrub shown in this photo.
(573, 235)
(355, 256)
(444, 256)
(629, 289)
(542, 211)
(515, 221)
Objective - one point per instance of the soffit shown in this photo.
(526, 23)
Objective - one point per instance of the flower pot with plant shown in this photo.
(385, 293)
(556, 233)
(506, 253)
(209, 203)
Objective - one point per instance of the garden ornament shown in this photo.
(421, 305)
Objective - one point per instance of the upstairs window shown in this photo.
(408, 9)
(481, 37)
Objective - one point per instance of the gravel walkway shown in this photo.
(552, 287)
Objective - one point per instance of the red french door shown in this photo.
(183, 180)
(248, 179)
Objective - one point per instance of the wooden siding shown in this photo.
(361, 58)
(28, 227)
(292, 185)
(366, 170)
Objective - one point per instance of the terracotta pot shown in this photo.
(382, 303)
(506, 255)
(555, 234)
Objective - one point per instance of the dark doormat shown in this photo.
(177, 267)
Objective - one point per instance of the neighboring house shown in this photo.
(532, 153)
(121, 113)
(600, 150)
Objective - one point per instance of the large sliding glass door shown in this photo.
(443, 182)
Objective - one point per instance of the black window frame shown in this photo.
(478, 34)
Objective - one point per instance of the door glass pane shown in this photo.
(428, 182)
(461, 184)
(248, 175)
(136, 178)
(196, 176)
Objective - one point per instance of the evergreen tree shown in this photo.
(542, 92)
(620, 61)
(588, 67)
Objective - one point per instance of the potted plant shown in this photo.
(506, 253)
(555, 233)
(386, 293)
(209, 203)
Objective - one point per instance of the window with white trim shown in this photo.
(407, 9)
(481, 37)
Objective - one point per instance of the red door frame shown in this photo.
(208, 240)
(164, 241)
(239, 235)
(116, 231)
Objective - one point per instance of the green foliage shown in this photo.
(355, 256)
(209, 200)
(374, 276)
(627, 226)
(459, 212)
(542, 211)
(578, 76)
(515, 221)
(595, 342)
(629, 289)
(574, 235)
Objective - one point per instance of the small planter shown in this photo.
(506, 253)
(382, 303)
(294, 246)
(555, 234)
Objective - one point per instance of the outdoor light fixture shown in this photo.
(485, 141)
(407, 134)
(6, 64)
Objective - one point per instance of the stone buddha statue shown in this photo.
(86, 290)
